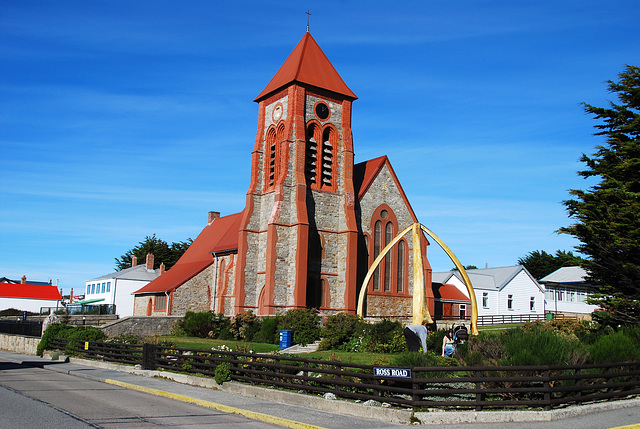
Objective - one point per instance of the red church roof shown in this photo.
(308, 64)
(219, 236)
(29, 291)
(365, 172)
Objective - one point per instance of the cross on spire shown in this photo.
(308, 15)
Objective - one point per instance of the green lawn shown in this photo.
(350, 357)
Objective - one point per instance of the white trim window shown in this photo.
(509, 302)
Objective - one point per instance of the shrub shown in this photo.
(619, 346)
(75, 333)
(242, 326)
(305, 324)
(268, 330)
(204, 324)
(542, 346)
(223, 372)
(339, 329)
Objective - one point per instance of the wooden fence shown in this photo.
(477, 387)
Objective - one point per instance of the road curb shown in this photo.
(224, 408)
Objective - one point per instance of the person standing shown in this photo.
(416, 335)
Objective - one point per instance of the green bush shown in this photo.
(243, 325)
(305, 324)
(339, 329)
(222, 372)
(75, 333)
(205, 324)
(618, 346)
(268, 330)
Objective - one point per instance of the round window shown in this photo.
(383, 214)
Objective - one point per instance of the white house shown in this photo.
(567, 291)
(118, 287)
(500, 291)
(28, 296)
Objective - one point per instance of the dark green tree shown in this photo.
(161, 250)
(540, 263)
(607, 215)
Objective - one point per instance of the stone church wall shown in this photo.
(194, 294)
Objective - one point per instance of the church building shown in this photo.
(313, 221)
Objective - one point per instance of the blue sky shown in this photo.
(121, 119)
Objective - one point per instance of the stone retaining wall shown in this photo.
(19, 344)
(143, 326)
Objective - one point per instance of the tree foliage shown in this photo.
(540, 263)
(607, 215)
(161, 250)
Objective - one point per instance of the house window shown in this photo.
(108, 286)
(510, 302)
(532, 303)
(88, 289)
(463, 311)
(93, 288)
(560, 295)
(104, 287)
(485, 299)
(160, 303)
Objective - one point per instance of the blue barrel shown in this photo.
(285, 339)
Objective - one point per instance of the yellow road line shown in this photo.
(633, 426)
(224, 408)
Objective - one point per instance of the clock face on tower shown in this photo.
(322, 111)
(277, 113)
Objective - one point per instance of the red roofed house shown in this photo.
(313, 221)
(28, 296)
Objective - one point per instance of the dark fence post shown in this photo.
(547, 389)
(149, 356)
(479, 395)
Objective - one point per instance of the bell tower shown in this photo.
(298, 239)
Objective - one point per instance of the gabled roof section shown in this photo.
(447, 292)
(219, 236)
(139, 273)
(308, 64)
(489, 278)
(365, 173)
(566, 275)
(30, 291)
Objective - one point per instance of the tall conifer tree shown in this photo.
(607, 215)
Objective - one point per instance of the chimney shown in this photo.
(162, 268)
(213, 216)
(71, 296)
(149, 261)
(23, 280)
(134, 260)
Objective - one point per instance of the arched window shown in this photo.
(400, 272)
(390, 275)
(377, 241)
(388, 236)
(311, 155)
(270, 173)
(328, 139)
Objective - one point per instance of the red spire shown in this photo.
(308, 64)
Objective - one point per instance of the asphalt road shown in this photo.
(36, 393)
(37, 398)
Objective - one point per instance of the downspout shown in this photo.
(166, 302)
(115, 282)
(215, 281)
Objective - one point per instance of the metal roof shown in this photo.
(566, 275)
